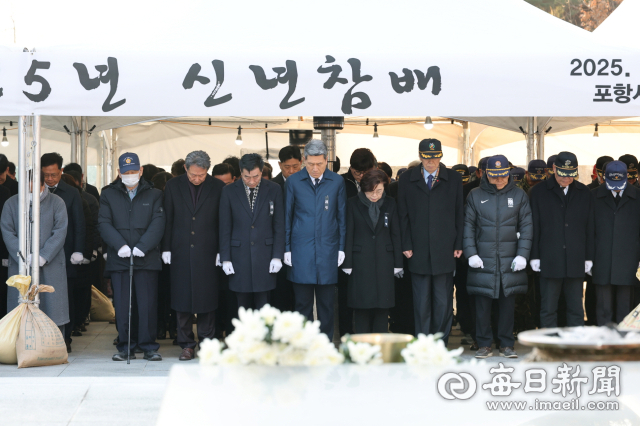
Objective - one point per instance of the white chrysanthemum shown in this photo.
(269, 314)
(209, 353)
(239, 338)
(363, 353)
(229, 357)
(253, 352)
(251, 323)
(303, 338)
(292, 356)
(429, 350)
(287, 325)
(269, 356)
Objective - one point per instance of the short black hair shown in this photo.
(235, 163)
(160, 180)
(249, 162)
(48, 159)
(336, 164)
(222, 169)
(289, 152)
(177, 168)
(386, 168)
(4, 163)
(73, 167)
(362, 160)
(149, 171)
(74, 174)
(12, 168)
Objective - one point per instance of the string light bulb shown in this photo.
(428, 124)
(595, 134)
(5, 141)
(239, 137)
(375, 130)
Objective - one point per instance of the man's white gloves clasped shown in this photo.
(76, 258)
(535, 265)
(227, 267)
(125, 251)
(287, 258)
(42, 260)
(275, 266)
(166, 257)
(519, 263)
(476, 262)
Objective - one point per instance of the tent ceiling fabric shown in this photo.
(102, 123)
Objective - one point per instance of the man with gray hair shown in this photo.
(190, 244)
(315, 233)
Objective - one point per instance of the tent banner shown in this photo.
(600, 82)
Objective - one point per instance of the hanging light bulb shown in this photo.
(428, 124)
(239, 137)
(595, 134)
(4, 142)
(375, 130)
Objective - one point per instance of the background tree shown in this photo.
(587, 14)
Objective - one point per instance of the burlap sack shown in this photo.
(632, 320)
(101, 307)
(40, 341)
(9, 328)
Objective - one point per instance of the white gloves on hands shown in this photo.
(476, 262)
(227, 267)
(5, 263)
(124, 251)
(105, 257)
(519, 263)
(340, 257)
(166, 257)
(587, 266)
(535, 265)
(137, 252)
(218, 263)
(398, 272)
(85, 261)
(42, 260)
(287, 258)
(76, 258)
(275, 266)
(347, 271)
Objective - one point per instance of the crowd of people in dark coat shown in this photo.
(514, 246)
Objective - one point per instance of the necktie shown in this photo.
(52, 189)
(251, 192)
(317, 180)
(430, 181)
(617, 198)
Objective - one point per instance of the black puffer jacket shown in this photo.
(492, 220)
(136, 223)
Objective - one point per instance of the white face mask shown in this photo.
(130, 180)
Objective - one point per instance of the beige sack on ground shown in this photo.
(632, 320)
(101, 307)
(9, 329)
(40, 341)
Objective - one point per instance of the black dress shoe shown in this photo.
(67, 342)
(115, 341)
(152, 356)
(76, 332)
(83, 328)
(122, 356)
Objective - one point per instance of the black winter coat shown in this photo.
(136, 223)
(372, 253)
(431, 221)
(492, 220)
(76, 230)
(563, 228)
(617, 236)
(350, 184)
(250, 239)
(191, 235)
(279, 179)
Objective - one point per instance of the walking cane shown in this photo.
(130, 291)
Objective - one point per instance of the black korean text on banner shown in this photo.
(334, 77)
(32, 77)
(108, 74)
(193, 75)
(284, 75)
(623, 92)
(406, 83)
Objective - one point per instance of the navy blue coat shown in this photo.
(249, 240)
(76, 230)
(316, 229)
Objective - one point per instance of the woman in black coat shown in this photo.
(373, 253)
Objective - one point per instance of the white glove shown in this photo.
(124, 251)
(476, 262)
(398, 272)
(275, 266)
(587, 266)
(535, 265)
(347, 271)
(42, 261)
(287, 258)
(218, 263)
(340, 257)
(519, 263)
(76, 258)
(590, 273)
(94, 255)
(227, 267)
(105, 257)
(5, 263)
(137, 252)
(518, 235)
(166, 257)
(85, 261)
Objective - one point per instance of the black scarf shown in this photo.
(374, 208)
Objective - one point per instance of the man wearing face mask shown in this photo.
(51, 164)
(131, 222)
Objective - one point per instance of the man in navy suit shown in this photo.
(251, 233)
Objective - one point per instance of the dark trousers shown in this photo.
(550, 289)
(82, 295)
(401, 318)
(375, 320)
(324, 304)
(72, 285)
(145, 287)
(506, 308)
(345, 313)
(227, 307)
(590, 301)
(206, 328)
(282, 296)
(605, 296)
(465, 303)
(252, 300)
(433, 303)
(166, 315)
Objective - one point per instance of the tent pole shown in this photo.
(328, 136)
(114, 155)
(83, 150)
(105, 159)
(35, 224)
(530, 139)
(74, 141)
(23, 197)
(540, 150)
(466, 143)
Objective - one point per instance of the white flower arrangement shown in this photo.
(360, 353)
(270, 337)
(430, 350)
